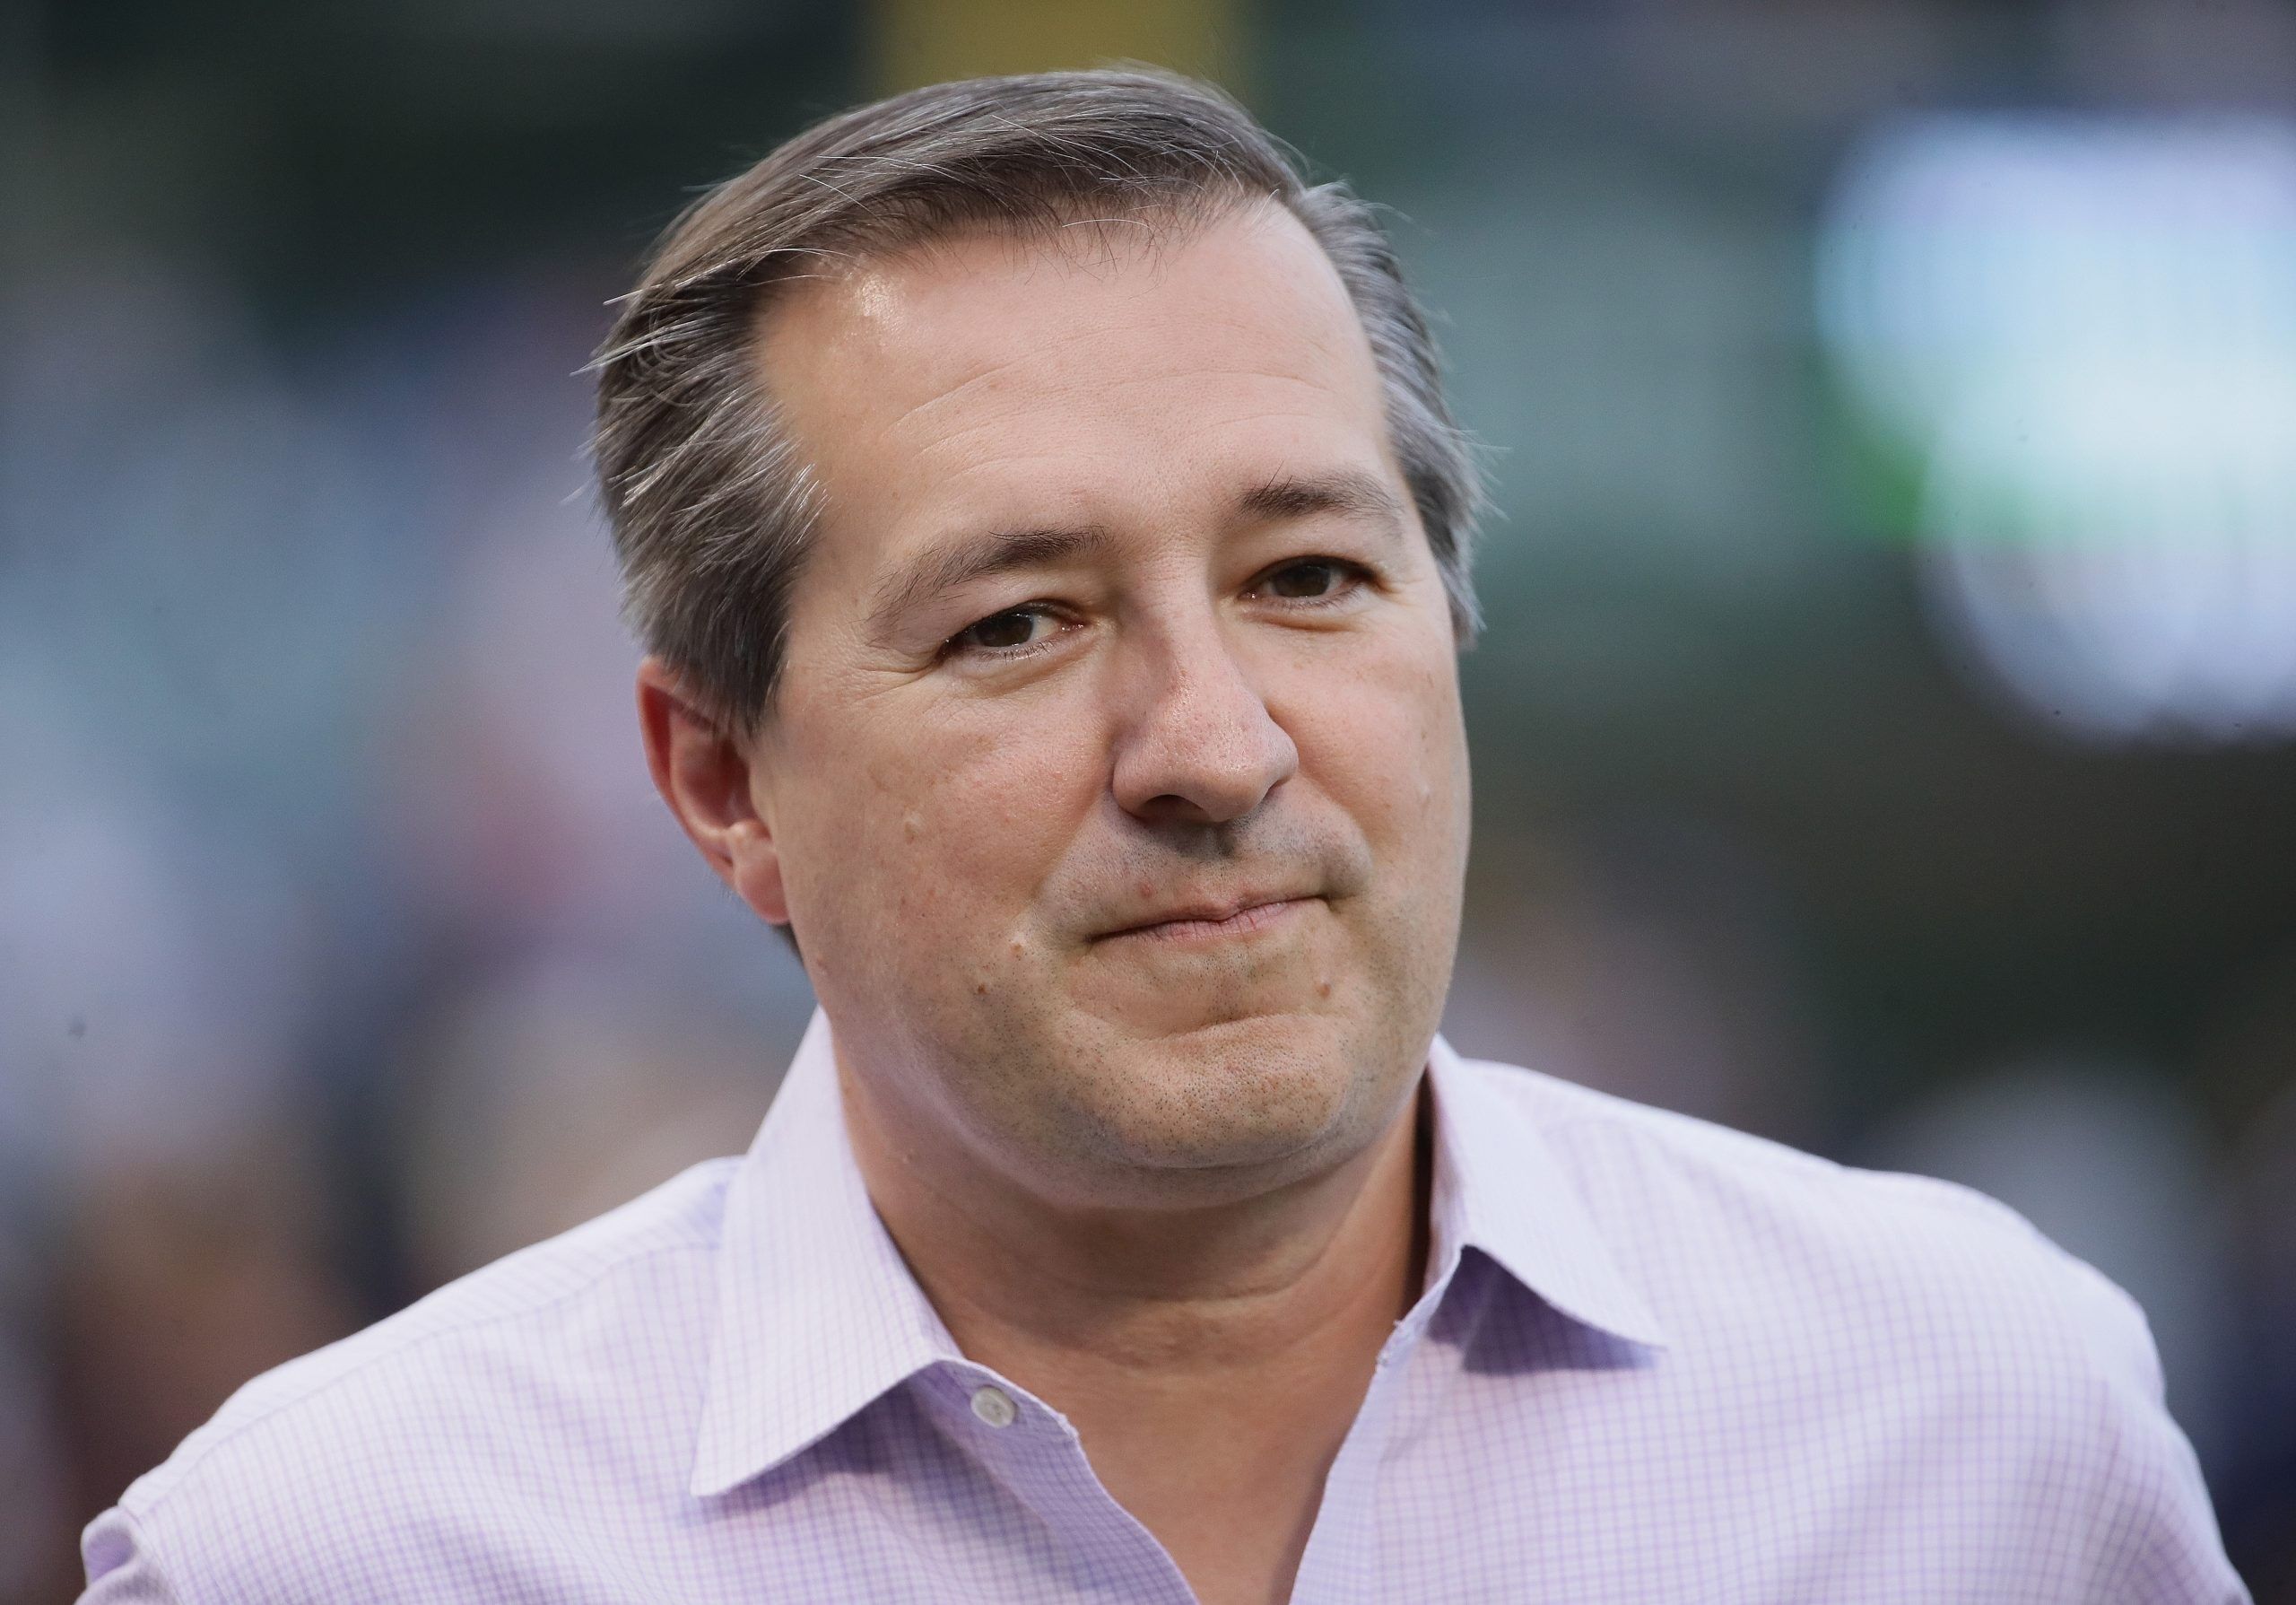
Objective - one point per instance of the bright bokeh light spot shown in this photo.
(2084, 331)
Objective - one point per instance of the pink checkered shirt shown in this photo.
(1655, 1360)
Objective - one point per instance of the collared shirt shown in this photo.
(1655, 1360)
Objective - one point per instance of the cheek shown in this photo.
(1384, 741)
(924, 834)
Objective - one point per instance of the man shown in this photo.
(1051, 546)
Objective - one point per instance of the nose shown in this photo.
(1200, 746)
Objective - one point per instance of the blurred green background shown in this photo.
(1885, 731)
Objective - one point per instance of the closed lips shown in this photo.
(1224, 919)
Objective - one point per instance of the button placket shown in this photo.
(1034, 1452)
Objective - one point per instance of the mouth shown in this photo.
(1214, 922)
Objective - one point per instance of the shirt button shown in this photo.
(993, 1406)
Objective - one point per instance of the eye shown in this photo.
(1309, 580)
(1009, 631)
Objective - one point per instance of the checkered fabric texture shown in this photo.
(1655, 1360)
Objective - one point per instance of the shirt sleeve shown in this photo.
(121, 1567)
(2154, 1537)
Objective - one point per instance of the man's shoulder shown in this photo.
(1731, 1232)
(598, 1334)
(1864, 1319)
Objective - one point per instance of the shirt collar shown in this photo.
(818, 1315)
(1499, 1187)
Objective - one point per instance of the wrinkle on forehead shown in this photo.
(945, 318)
(993, 379)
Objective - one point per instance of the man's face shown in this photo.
(1116, 784)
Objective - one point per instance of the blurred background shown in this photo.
(1885, 733)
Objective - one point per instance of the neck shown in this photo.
(1212, 1359)
(1207, 1286)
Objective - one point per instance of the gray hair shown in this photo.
(712, 507)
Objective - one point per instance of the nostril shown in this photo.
(1201, 745)
(1170, 808)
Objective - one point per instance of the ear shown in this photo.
(713, 781)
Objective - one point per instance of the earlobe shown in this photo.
(755, 871)
(708, 775)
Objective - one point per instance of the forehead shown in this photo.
(986, 367)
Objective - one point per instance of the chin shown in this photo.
(1248, 1094)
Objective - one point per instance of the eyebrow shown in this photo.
(960, 563)
(1348, 492)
